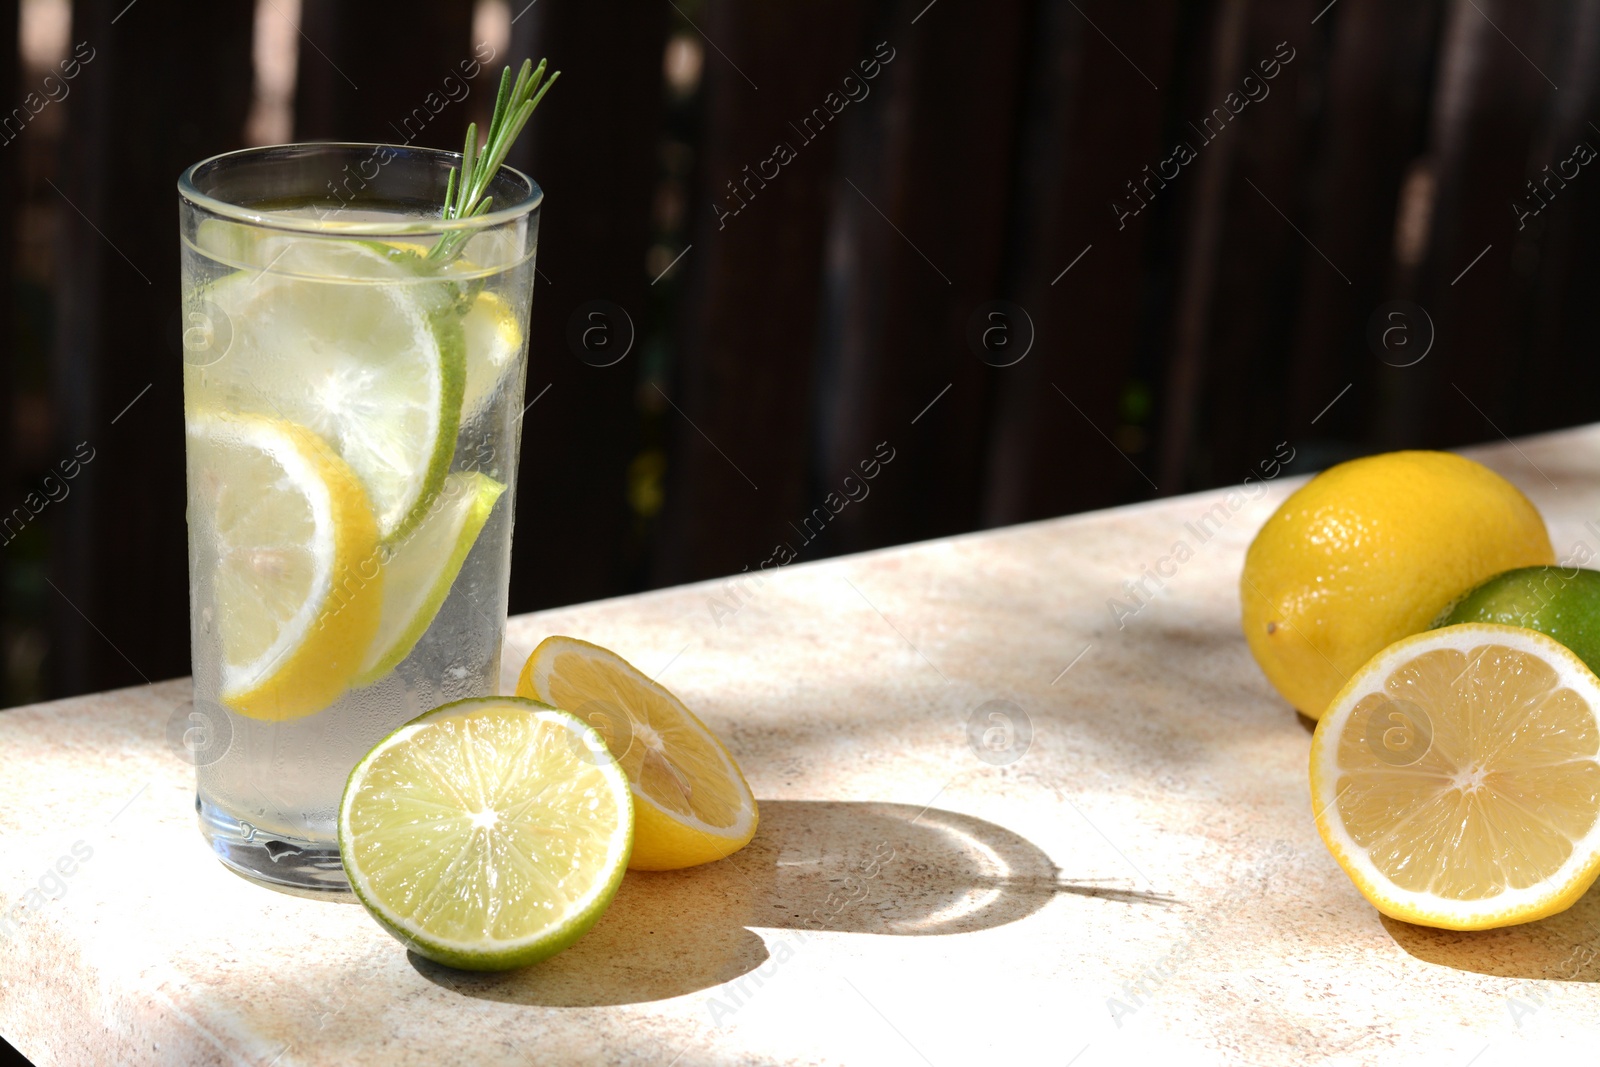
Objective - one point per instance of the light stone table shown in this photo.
(1002, 821)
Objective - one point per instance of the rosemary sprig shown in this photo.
(466, 191)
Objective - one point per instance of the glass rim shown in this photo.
(273, 220)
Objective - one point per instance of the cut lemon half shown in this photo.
(691, 803)
(286, 563)
(487, 834)
(420, 568)
(1456, 777)
(347, 339)
(494, 340)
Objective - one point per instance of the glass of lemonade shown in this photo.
(353, 380)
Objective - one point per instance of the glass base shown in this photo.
(301, 867)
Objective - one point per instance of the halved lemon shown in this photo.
(420, 567)
(1456, 777)
(691, 803)
(286, 564)
(487, 834)
(348, 339)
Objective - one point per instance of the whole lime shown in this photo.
(1559, 602)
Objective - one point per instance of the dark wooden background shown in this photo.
(785, 343)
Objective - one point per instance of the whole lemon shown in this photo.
(1369, 552)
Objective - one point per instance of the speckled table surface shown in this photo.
(1003, 821)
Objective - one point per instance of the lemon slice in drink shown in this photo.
(1456, 777)
(691, 803)
(420, 568)
(493, 340)
(289, 576)
(349, 340)
(487, 834)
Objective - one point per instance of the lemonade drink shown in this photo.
(353, 398)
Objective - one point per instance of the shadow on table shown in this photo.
(813, 866)
(1562, 948)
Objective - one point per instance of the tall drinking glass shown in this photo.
(353, 380)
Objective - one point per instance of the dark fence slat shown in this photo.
(1554, 364)
(931, 152)
(119, 547)
(1562, 375)
(11, 160)
(1200, 248)
(371, 74)
(1264, 251)
(738, 468)
(1487, 102)
(594, 148)
(1079, 269)
(1373, 135)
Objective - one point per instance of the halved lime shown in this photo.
(487, 834)
(420, 567)
(286, 563)
(348, 340)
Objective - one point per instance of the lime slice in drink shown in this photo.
(487, 834)
(420, 567)
(294, 589)
(232, 243)
(373, 366)
(494, 340)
